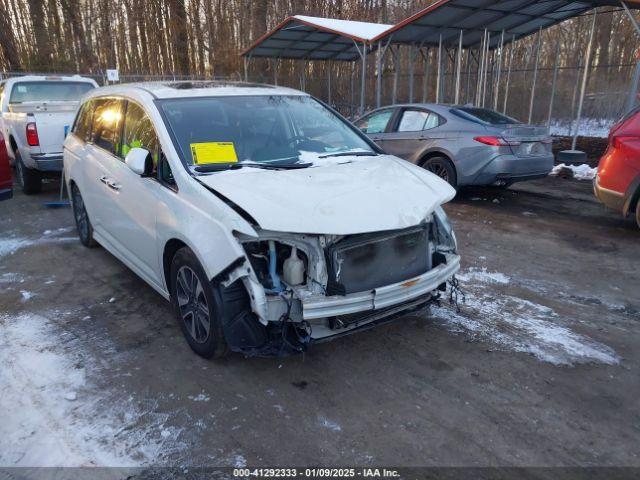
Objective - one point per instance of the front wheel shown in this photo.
(443, 168)
(197, 306)
(30, 180)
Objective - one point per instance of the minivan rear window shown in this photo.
(48, 91)
(484, 115)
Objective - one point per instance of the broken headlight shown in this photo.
(445, 236)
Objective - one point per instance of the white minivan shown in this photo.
(268, 220)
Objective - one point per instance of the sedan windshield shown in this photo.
(259, 129)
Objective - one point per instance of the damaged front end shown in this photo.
(301, 289)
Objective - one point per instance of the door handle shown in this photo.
(113, 185)
(104, 179)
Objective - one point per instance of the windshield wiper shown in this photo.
(216, 167)
(220, 167)
(350, 154)
(272, 166)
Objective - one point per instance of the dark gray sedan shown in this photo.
(464, 145)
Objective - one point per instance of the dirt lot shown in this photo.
(541, 366)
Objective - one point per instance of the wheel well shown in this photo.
(170, 250)
(634, 201)
(12, 142)
(430, 155)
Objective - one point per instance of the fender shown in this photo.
(631, 195)
(430, 150)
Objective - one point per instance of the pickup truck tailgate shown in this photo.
(52, 128)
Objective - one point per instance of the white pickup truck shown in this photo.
(37, 112)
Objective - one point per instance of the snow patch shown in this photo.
(580, 172)
(589, 127)
(482, 275)
(26, 295)
(9, 246)
(201, 397)
(52, 416)
(329, 424)
(521, 325)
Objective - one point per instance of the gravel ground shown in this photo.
(539, 368)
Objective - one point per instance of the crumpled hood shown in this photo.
(339, 196)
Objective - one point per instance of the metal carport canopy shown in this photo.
(313, 38)
(517, 18)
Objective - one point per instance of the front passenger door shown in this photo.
(375, 125)
(132, 218)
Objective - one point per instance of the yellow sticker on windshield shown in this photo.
(213, 152)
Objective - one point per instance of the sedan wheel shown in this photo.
(441, 167)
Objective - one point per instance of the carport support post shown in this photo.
(381, 53)
(631, 17)
(585, 76)
(458, 70)
(631, 101)
(535, 75)
(506, 88)
(553, 83)
(438, 79)
(412, 58)
(425, 80)
(497, 90)
(328, 83)
(396, 73)
(486, 66)
(363, 80)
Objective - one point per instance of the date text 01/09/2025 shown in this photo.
(315, 472)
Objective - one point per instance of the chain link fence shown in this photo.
(605, 99)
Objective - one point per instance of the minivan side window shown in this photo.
(139, 132)
(106, 125)
(82, 127)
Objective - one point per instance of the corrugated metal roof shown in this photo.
(314, 38)
(518, 18)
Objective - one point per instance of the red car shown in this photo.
(617, 183)
(6, 184)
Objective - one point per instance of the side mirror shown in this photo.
(136, 160)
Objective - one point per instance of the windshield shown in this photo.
(49, 91)
(263, 129)
(485, 115)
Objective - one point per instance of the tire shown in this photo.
(443, 168)
(30, 180)
(638, 213)
(198, 305)
(83, 223)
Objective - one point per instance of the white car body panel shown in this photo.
(302, 207)
(360, 195)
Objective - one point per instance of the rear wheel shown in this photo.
(30, 180)
(638, 213)
(443, 168)
(198, 305)
(83, 224)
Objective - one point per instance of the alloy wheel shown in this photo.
(439, 169)
(80, 213)
(193, 305)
